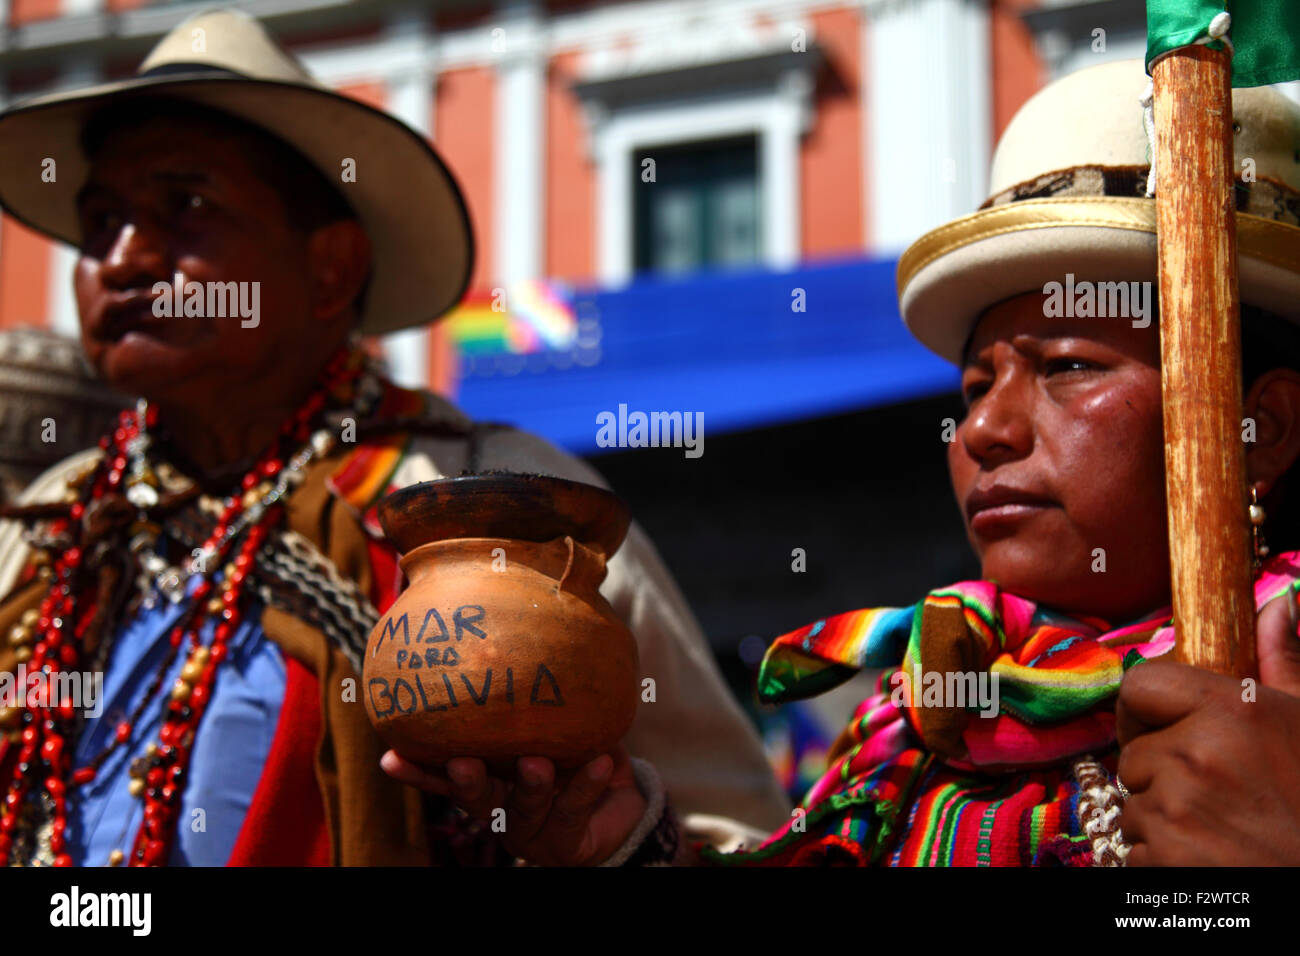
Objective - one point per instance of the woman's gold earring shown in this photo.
(1257, 518)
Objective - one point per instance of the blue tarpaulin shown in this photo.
(733, 346)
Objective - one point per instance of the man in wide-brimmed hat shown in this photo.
(1026, 718)
(217, 557)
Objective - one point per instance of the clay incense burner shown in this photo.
(502, 646)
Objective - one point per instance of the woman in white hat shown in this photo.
(997, 733)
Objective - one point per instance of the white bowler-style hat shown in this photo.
(1067, 196)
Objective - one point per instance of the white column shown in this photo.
(929, 115)
(63, 313)
(519, 135)
(779, 169)
(408, 42)
(614, 209)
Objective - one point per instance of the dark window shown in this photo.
(701, 208)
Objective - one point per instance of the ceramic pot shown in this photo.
(502, 646)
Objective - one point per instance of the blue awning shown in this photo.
(729, 345)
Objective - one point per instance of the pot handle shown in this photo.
(597, 556)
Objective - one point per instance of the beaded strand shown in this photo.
(54, 637)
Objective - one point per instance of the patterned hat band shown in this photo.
(1266, 198)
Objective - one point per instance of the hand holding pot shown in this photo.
(578, 819)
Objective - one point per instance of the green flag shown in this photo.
(1265, 35)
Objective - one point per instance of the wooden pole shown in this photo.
(1209, 529)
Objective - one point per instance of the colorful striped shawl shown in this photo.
(920, 781)
(365, 475)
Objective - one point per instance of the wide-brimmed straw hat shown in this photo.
(1067, 196)
(403, 194)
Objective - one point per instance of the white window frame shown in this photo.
(777, 116)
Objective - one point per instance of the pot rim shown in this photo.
(522, 507)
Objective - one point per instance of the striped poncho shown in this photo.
(972, 750)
